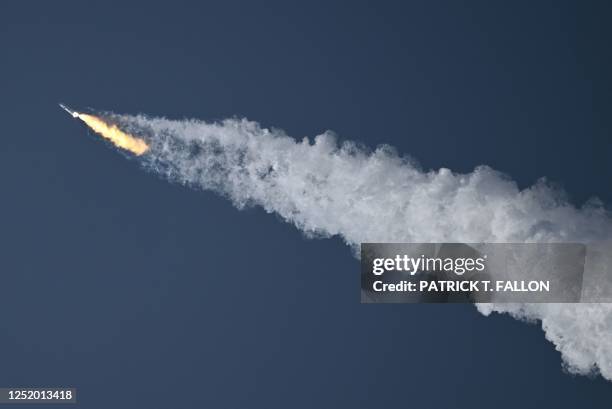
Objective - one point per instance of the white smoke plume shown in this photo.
(326, 189)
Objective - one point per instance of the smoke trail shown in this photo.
(326, 189)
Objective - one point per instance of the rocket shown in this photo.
(70, 111)
(110, 131)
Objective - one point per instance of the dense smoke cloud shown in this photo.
(326, 189)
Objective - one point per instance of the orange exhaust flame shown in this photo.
(111, 132)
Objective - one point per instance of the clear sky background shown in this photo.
(142, 293)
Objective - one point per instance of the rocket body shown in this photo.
(70, 111)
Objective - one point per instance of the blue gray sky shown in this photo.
(113, 279)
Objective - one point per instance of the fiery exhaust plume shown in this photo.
(111, 132)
